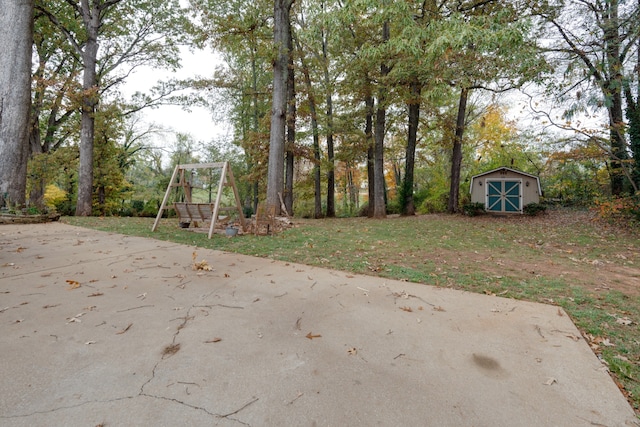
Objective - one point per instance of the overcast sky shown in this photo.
(199, 122)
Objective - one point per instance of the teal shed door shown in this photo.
(503, 196)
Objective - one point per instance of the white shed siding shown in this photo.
(529, 187)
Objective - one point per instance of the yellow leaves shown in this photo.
(73, 284)
(200, 265)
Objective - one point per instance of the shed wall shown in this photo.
(529, 193)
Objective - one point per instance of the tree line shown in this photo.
(324, 96)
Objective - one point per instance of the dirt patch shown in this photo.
(590, 264)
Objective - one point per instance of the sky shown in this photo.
(199, 121)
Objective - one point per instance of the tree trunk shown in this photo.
(275, 172)
(380, 208)
(371, 177)
(16, 29)
(291, 128)
(331, 173)
(613, 95)
(406, 205)
(255, 125)
(456, 157)
(91, 15)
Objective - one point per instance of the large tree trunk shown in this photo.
(613, 93)
(407, 206)
(16, 29)
(255, 125)
(275, 172)
(456, 157)
(380, 208)
(291, 128)
(368, 132)
(91, 16)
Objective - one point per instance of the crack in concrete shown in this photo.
(61, 408)
(141, 393)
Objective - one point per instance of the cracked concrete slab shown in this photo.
(100, 328)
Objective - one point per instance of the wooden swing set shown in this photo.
(189, 212)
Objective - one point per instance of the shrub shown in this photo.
(473, 209)
(137, 206)
(54, 196)
(619, 209)
(150, 209)
(434, 204)
(534, 209)
(393, 207)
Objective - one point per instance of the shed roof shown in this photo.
(504, 168)
(510, 170)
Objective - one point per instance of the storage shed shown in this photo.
(505, 190)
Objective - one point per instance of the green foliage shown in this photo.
(434, 203)
(574, 180)
(405, 191)
(151, 209)
(473, 209)
(533, 209)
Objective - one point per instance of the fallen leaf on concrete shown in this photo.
(96, 294)
(560, 313)
(438, 308)
(73, 284)
(407, 309)
(125, 329)
(352, 351)
(202, 265)
(213, 340)
(550, 381)
(50, 305)
(312, 336)
(76, 318)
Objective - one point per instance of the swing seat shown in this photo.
(198, 212)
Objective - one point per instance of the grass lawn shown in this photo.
(565, 258)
